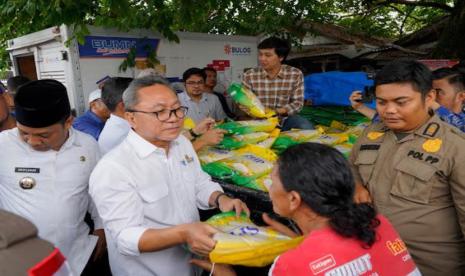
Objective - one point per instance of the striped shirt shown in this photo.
(286, 90)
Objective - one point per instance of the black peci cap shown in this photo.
(41, 103)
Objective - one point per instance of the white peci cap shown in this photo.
(95, 95)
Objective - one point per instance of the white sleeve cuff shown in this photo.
(204, 195)
(128, 240)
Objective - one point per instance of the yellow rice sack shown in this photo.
(241, 242)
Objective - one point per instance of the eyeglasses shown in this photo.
(165, 114)
(192, 83)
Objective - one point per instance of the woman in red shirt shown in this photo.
(312, 184)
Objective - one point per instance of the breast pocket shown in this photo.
(365, 163)
(413, 181)
(155, 200)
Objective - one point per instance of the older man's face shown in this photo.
(161, 99)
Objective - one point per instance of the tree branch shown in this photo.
(427, 4)
(408, 14)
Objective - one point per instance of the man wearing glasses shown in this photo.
(147, 190)
(201, 105)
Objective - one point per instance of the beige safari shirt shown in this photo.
(418, 183)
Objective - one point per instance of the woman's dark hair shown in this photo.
(323, 179)
(409, 72)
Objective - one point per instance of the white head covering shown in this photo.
(95, 95)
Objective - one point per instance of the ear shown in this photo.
(430, 98)
(129, 116)
(294, 200)
(69, 122)
(461, 96)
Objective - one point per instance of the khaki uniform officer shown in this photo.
(419, 184)
(413, 165)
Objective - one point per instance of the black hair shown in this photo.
(193, 71)
(406, 71)
(112, 91)
(14, 82)
(205, 69)
(280, 46)
(453, 76)
(322, 177)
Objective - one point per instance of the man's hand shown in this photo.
(355, 99)
(218, 270)
(199, 237)
(361, 194)
(101, 246)
(228, 204)
(279, 227)
(204, 125)
(212, 137)
(282, 111)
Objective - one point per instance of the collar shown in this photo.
(144, 148)
(430, 128)
(187, 97)
(279, 75)
(118, 120)
(71, 141)
(427, 130)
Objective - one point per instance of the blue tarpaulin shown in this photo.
(334, 88)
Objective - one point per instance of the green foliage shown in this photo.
(241, 17)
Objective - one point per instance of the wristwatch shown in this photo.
(217, 199)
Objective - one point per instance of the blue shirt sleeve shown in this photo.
(457, 120)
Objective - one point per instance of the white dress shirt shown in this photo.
(113, 133)
(59, 200)
(137, 186)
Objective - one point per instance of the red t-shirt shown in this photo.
(324, 252)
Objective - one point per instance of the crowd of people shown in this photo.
(121, 185)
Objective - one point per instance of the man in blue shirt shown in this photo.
(450, 96)
(93, 121)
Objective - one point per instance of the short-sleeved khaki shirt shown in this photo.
(418, 183)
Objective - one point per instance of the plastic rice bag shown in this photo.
(268, 143)
(211, 154)
(188, 123)
(329, 139)
(245, 127)
(241, 242)
(247, 100)
(248, 164)
(238, 141)
(345, 149)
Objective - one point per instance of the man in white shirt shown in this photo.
(148, 188)
(116, 127)
(44, 171)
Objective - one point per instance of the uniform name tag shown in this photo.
(27, 170)
(370, 147)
